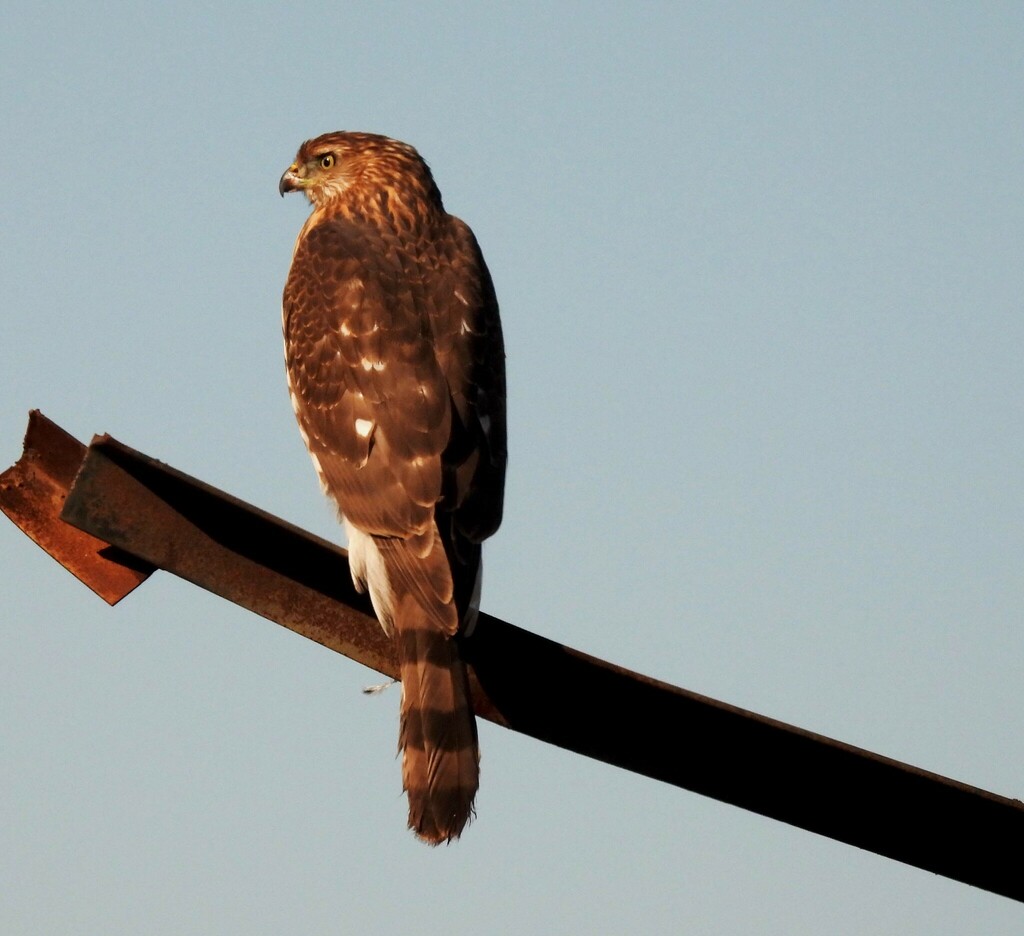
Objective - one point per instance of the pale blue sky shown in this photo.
(760, 272)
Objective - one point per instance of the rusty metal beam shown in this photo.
(554, 693)
(32, 492)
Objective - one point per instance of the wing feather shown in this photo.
(369, 392)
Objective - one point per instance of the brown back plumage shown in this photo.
(396, 370)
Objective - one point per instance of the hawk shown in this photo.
(396, 367)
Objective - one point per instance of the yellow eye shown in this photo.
(327, 161)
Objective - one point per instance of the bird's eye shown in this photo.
(326, 161)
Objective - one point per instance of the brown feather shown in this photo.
(437, 733)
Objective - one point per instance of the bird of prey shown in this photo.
(396, 367)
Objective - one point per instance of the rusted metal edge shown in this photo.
(554, 693)
(32, 492)
(228, 547)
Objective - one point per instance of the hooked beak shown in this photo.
(291, 181)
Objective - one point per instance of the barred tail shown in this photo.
(437, 736)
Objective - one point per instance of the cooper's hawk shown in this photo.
(396, 368)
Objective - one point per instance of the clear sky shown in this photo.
(760, 268)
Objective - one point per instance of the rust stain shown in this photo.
(222, 544)
(32, 494)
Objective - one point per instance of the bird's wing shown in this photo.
(470, 350)
(365, 382)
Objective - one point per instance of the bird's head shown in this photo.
(331, 165)
(321, 169)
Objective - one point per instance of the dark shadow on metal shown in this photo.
(166, 519)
